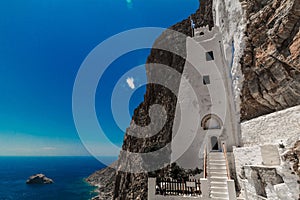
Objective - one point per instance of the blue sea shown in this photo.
(68, 174)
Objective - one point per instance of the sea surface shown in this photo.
(68, 174)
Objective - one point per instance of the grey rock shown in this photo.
(104, 180)
(273, 41)
(39, 179)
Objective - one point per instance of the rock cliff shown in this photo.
(271, 60)
(104, 180)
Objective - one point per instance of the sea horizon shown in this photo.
(67, 172)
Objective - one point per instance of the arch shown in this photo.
(211, 121)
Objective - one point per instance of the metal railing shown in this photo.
(226, 160)
(171, 187)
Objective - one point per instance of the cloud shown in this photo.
(130, 82)
(129, 4)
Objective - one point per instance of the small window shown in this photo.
(201, 33)
(210, 56)
(206, 80)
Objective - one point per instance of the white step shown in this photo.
(220, 198)
(220, 170)
(211, 164)
(216, 157)
(218, 179)
(219, 194)
(220, 174)
(219, 189)
(217, 167)
(216, 164)
(216, 154)
(217, 160)
(218, 184)
(224, 176)
(216, 174)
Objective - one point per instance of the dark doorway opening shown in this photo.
(214, 143)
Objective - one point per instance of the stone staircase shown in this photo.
(217, 176)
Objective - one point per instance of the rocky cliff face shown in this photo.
(104, 180)
(271, 60)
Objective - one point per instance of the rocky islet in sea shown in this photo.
(39, 179)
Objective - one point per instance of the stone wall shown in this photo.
(246, 156)
(276, 128)
(254, 177)
(270, 150)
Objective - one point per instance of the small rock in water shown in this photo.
(39, 179)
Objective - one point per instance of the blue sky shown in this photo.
(42, 45)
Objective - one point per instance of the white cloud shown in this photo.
(130, 82)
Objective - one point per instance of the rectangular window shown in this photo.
(210, 56)
(206, 80)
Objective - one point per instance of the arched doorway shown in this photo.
(211, 121)
(214, 143)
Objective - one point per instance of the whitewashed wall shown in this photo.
(273, 128)
(196, 100)
(229, 17)
(261, 137)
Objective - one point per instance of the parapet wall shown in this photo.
(276, 128)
